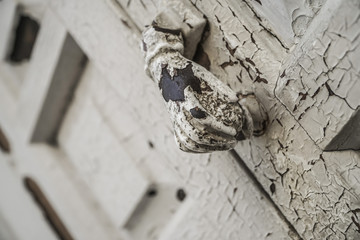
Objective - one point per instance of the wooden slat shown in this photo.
(45, 57)
(99, 158)
(49, 213)
(70, 198)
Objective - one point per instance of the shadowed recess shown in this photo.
(349, 136)
(66, 76)
(24, 39)
(4, 143)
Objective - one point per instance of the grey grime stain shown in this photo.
(173, 87)
(197, 113)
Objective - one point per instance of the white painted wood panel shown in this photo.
(20, 217)
(117, 167)
(246, 52)
(303, 185)
(97, 154)
(69, 196)
(125, 97)
(45, 57)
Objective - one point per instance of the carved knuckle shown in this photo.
(205, 112)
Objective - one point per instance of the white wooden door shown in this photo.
(86, 129)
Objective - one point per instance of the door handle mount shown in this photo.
(206, 114)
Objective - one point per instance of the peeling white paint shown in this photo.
(316, 191)
(206, 114)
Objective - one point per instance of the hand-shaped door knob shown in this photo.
(206, 114)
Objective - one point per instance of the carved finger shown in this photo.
(187, 144)
(202, 134)
(213, 84)
(206, 113)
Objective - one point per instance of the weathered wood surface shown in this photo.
(216, 205)
(289, 161)
(306, 182)
(117, 126)
(19, 217)
(116, 143)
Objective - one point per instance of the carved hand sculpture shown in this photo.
(206, 114)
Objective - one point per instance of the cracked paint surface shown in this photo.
(289, 161)
(224, 203)
(289, 19)
(318, 192)
(321, 86)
